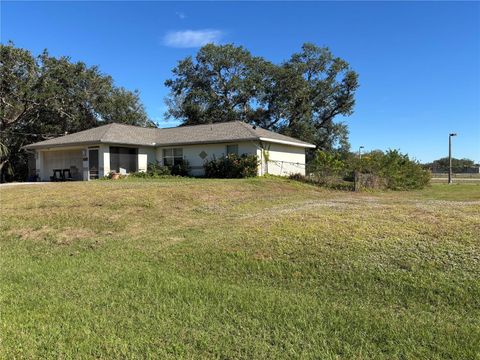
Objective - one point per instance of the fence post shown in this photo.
(356, 181)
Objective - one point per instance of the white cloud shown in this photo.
(181, 15)
(192, 38)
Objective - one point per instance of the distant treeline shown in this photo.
(458, 165)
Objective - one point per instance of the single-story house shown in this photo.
(93, 153)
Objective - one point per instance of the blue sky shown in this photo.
(418, 62)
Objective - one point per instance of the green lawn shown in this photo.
(258, 268)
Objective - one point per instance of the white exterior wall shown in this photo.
(191, 153)
(260, 171)
(146, 155)
(85, 165)
(283, 160)
(39, 165)
(104, 160)
(64, 158)
(48, 160)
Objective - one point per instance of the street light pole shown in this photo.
(450, 180)
(360, 152)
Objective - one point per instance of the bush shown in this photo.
(153, 171)
(391, 170)
(298, 177)
(397, 169)
(329, 169)
(369, 181)
(158, 170)
(327, 164)
(180, 169)
(338, 184)
(232, 166)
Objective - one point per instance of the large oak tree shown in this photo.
(44, 96)
(300, 97)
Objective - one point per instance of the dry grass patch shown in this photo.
(64, 236)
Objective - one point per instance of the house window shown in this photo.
(172, 157)
(123, 159)
(232, 149)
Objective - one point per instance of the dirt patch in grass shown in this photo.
(66, 236)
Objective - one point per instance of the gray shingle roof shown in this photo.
(183, 135)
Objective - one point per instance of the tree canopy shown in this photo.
(300, 97)
(44, 96)
(443, 164)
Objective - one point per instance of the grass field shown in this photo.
(258, 268)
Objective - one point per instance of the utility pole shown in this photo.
(450, 180)
(360, 152)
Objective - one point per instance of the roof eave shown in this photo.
(84, 143)
(36, 146)
(291, 143)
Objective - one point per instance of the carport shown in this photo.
(60, 163)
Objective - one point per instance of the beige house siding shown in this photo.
(146, 156)
(283, 160)
(47, 161)
(40, 165)
(191, 153)
(104, 160)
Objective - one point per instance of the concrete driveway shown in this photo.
(23, 183)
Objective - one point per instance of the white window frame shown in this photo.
(172, 156)
(231, 145)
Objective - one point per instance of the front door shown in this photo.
(93, 164)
